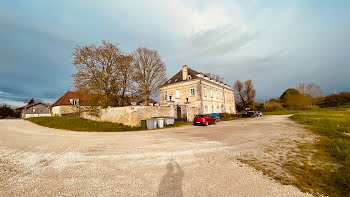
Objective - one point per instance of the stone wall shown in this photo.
(64, 109)
(36, 115)
(131, 115)
(192, 111)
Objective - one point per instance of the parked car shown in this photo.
(258, 113)
(248, 114)
(216, 116)
(204, 119)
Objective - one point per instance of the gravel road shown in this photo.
(184, 161)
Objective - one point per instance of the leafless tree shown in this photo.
(125, 77)
(150, 71)
(215, 77)
(312, 90)
(244, 93)
(99, 71)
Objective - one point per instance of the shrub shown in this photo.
(6, 111)
(288, 92)
(227, 116)
(272, 106)
(334, 100)
(299, 101)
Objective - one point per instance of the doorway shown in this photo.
(178, 112)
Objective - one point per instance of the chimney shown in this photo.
(184, 72)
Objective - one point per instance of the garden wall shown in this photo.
(131, 115)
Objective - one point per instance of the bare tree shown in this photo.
(98, 73)
(312, 90)
(215, 77)
(125, 77)
(150, 71)
(244, 93)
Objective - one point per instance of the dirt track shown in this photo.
(186, 161)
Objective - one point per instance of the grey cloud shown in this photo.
(221, 40)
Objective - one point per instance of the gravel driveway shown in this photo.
(184, 161)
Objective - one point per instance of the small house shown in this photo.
(68, 104)
(37, 109)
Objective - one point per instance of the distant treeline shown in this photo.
(292, 99)
(333, 100)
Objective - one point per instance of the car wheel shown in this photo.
(206, 123)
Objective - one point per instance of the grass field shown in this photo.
(80, 124)
(321, 166)
(329, 172)
(282, 112)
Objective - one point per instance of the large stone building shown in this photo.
(192, 92)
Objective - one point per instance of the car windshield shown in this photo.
(199, 116)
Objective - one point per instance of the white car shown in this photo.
(258, 113)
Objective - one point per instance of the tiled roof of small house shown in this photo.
(149, 101)
(32, 104)
(178, 76)
(65, 99)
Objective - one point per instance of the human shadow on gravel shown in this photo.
(171, 183)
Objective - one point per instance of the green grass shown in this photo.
(80, 124)
(328, 172)
(282, 112)
(228, 117)
(179, 124)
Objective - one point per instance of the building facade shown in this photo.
(37, 109)
(192, 92)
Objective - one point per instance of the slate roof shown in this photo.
(149, 101)
(178, 76)
(31, 105)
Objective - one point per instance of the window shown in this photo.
(192, 91)
(33, 110)
(175, 80)
(216, 94)
(189, 77)
(177, 94)
(218, 109)
(75, 102)
(170, 98)
(165, 96)
(206, 109)
(211, 93)
(205, 92)
(212, 108)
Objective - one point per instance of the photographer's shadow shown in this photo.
(171, 183)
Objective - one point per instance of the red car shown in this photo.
(204, 119)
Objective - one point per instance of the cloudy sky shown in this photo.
(277, 44)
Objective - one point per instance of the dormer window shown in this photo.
(74, 101)
(189, 77)
(176, 80)
(169, 81)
